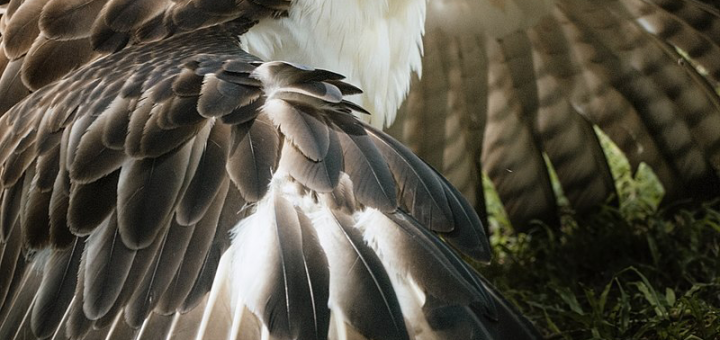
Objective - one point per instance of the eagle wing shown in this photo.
(160, 183)
(510, 86)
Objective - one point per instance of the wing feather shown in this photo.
(196, 252)
(506, 93)
(321, 176)
(160, 274)
(421, 192)
(107, 265)
(147, 191)
(56, 290)
(208, 178)
(186, 133)
(254, 158)
(302, 126)
(21, 30)
(371, 306)
(372, 180)
(69, 19)
(292, 278)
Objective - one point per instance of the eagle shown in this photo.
(513, 88)
(195, 169)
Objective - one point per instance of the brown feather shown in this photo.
(76, 323)
(38, 70)
(91, 203)
(36, 217)
(12, 264)
(301, 125)
(59, 201)
(116, 127)
(135, 128)
(47, 168)
(17, 309)
(107, 265)
(10, 209)
(321, 176)
(157, 141)
(510, 154)
(69, 19)
(92, 159)
(194, 256)
(106, 40)
(161, 272)
(125, 15)
(208, 177)
(22, 29)
(219, 97)
(17, 162)
(147, 192)
(12, 89)
(232, 212)
(180, 111)
(56, 290)
(254, 159)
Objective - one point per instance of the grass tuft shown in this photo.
(631, 271)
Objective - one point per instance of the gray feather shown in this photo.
(254, 159)
(291, 300)
(56, 290)
(421, 191)
(147, 192)
(303, 126)
(370, 174)
(208, 177)
(360, 286)
(107, 266)
(321, 176)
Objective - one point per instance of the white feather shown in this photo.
(376, 228)
(377, 44)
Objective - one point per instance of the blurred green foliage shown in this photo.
(630, 271)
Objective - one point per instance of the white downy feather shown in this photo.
(377, 50)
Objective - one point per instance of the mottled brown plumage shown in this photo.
(501, 94)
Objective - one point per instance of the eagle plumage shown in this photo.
(158, 182)
(509, 86)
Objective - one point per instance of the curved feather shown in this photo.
(160, 273)
(107, 264)
(371, 306)
(254, 159)
(302, 126)
(208, 177)
(56, 290)
(288, 291)
(420, 191)
(371, 177)
(321, 176)
(21, 30)
(63, 19)
(196, 251)
(147, 191)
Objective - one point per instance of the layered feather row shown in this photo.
(127, 185)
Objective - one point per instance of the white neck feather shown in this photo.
(377, 44)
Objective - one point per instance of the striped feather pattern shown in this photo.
(536, 83)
